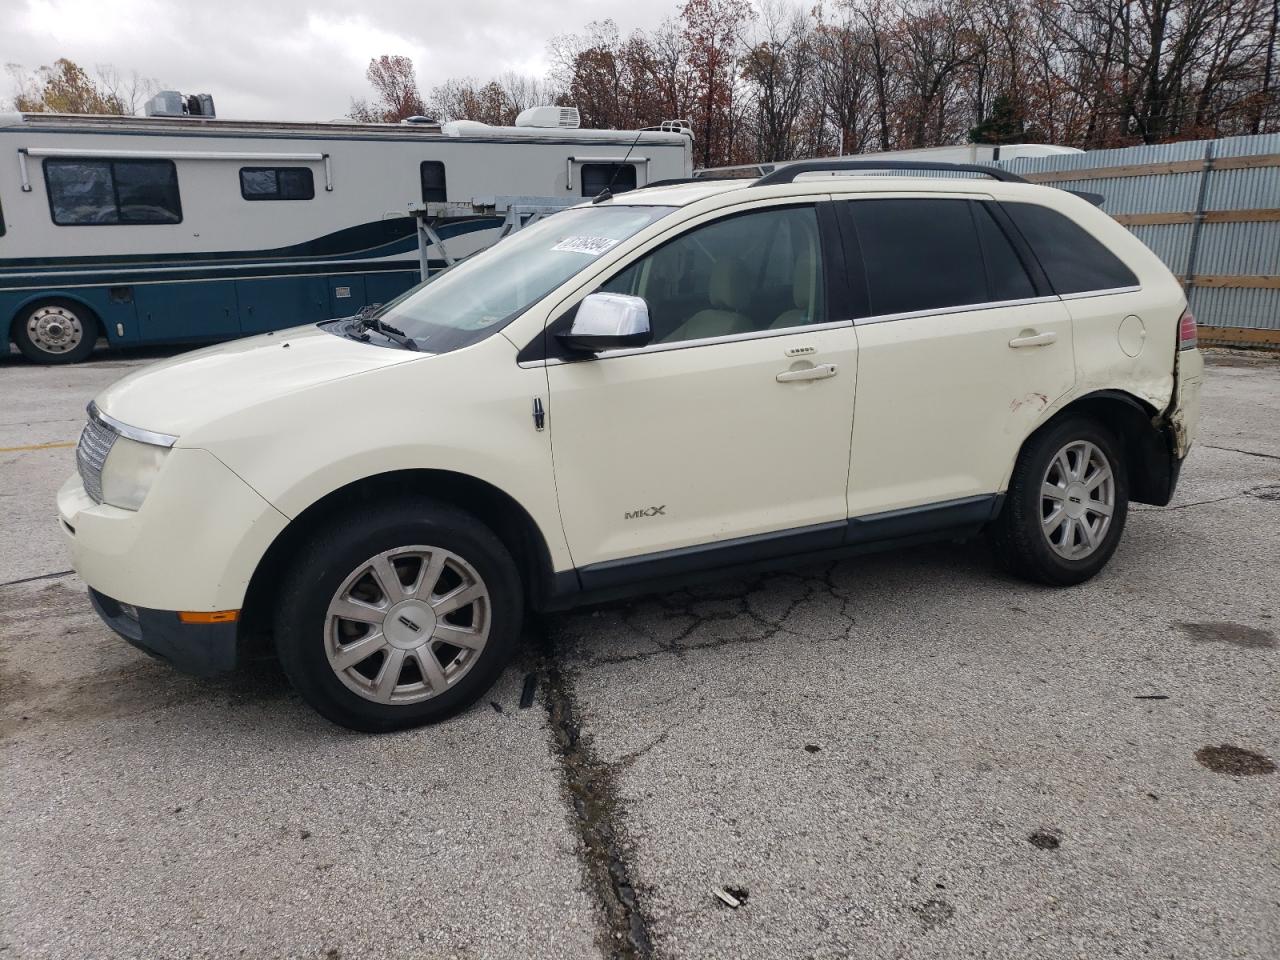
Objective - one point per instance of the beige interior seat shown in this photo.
(730, 295)
(803, 279)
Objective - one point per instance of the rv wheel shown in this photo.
(56, 331)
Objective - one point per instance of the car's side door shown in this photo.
(726, 439)
(962, 349)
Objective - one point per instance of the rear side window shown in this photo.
(277, 183)
(618, 177)
(919, 254)
(1, 219)
(433, 184)
(83, 192)
(1073, 259)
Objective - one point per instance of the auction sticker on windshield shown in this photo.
(592, 246)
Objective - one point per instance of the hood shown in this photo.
(176, 395)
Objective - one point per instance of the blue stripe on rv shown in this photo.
(216, 296)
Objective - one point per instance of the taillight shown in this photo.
(1187, 336)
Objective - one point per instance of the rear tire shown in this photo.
(398, 615)
(56, 331)
(1066, 505)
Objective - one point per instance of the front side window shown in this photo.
(481, 294)
(112, 191)
(433, 183)
(277, 183)
(617, 177)
(1073, 259)
(743, 274)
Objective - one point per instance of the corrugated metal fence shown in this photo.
(1210, 209)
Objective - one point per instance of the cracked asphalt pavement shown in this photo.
(901, 755)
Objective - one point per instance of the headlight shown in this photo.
(130, 469)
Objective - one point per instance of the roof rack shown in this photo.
(788, 173)
(673, 181)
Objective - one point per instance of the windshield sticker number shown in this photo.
(591, 246)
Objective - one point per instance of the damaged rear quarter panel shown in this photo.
(1101, 363)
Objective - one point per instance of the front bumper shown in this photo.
(194, 545)
(203, 649)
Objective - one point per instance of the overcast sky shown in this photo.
(299, 59)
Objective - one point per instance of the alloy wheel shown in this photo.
(1077, 500)
(407, 624)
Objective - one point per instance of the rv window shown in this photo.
(433, 187)
(276, 183)
(597, 176)
(85, 192)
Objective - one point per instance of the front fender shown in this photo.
(468, 413)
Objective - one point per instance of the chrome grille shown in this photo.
(91, 453)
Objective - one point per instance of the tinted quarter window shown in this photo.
(1007, 279)
(919, 254)
(433, 183)
(277, 183)
(112, 191)
(1074, 261)
(1, 219)
(597, 176)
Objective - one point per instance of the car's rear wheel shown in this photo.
(56, 331)
(1066, 505)
(398, 616)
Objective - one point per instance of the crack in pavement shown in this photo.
(591, 786)
(1248, 453)
(687, 605)
(1184, 506)
(43, 576)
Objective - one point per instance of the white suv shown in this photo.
(687, 378)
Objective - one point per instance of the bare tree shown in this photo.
(396, 85)
(130, 92)
(761, 80)
(844, 78)
(778, 69)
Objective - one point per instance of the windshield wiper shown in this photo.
(366, 321)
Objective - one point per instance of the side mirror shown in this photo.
(608, 321)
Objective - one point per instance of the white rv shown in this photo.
(165, 229)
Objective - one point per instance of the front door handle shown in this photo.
(820, 372)
(1034, 340)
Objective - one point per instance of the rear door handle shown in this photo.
(1034, 340)
(820, 372)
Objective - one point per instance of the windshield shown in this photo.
(480, 295)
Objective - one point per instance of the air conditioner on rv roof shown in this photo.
(170, 103)
(549, 117)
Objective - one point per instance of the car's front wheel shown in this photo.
(398, 615)
(1066, 505)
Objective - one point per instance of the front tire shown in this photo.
(1066, 505)
(56, 331)
(398, 615)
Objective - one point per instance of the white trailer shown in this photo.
(165, 229)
